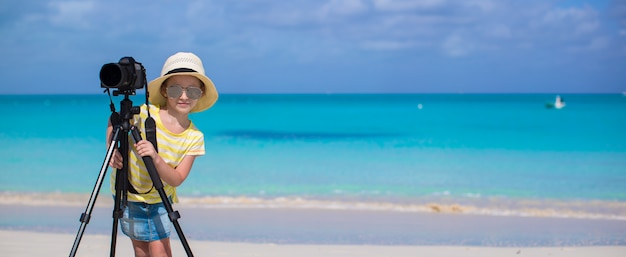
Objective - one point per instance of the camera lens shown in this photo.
(111, 75)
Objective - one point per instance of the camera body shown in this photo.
(127, 75)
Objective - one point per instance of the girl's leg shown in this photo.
(142, 249)
(159, 248)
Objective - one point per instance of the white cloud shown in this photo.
(598, 43)
(343, 7)
(500, 31)
(72, 13)
(406, 5)
(265, 27)
(312, 32)
(387, 45)
(455, 28)
(484, 5)
(584, 20)
(456, 46)
(562, 15)
(594, 44)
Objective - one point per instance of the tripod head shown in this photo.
(127, 111)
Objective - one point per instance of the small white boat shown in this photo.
(558, 103)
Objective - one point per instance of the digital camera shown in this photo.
(126, 75)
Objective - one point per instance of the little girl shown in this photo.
(181, 89)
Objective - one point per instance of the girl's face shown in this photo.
(182, 92)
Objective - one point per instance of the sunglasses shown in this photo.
(176, 91)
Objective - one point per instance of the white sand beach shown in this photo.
(48, 228)
(29, 244)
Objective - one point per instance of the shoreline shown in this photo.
(20, 244)
(592, 209)
(338, 227)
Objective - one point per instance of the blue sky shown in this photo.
(323, 46)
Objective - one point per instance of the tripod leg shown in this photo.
(158, 185)
(86, 216)
(121, 189)
(118, 212)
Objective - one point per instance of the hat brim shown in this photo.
(205, 102)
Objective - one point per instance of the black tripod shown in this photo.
(121, 128)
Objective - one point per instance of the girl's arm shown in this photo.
(172, 176)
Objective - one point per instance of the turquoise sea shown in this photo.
(499, 154)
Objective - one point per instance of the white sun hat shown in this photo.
(183, 63)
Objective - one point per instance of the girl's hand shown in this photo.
(145, 148)
(117, 160)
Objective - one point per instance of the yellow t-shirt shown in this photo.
(171, 147)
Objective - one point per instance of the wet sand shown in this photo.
(29, 244)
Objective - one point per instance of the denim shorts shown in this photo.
(146, 222)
